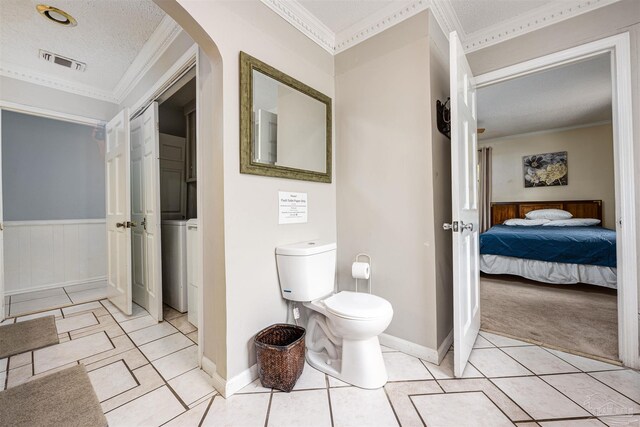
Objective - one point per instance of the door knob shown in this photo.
(453, 226)
(125, 224)
(464, 226)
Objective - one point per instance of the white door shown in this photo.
(2, 307)
(464, 189)
(118, 211)
(137, 215)
(152, 213)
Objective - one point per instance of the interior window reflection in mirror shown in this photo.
(288, 126)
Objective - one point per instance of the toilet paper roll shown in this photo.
(360, 270)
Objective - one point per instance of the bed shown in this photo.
(557, 255)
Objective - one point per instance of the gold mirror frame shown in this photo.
(247, 165)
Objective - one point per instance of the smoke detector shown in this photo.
(56, 15)
(61, 60)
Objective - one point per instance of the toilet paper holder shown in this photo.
(369, 280)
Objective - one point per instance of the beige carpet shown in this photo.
(29, 335)
(64, 398)
(578, 318)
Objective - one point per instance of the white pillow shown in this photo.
(551, 214)
(573, 222)
(525, 222)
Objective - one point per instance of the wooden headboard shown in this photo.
(502, 211)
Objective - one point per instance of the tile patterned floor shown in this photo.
(146, 374)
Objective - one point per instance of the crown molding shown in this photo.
(151, 51)
(298, 16)
(15, 71)
(155, 46)
(536, 19)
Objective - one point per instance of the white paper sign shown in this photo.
(292, 207)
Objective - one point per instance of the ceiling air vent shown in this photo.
(61, 60)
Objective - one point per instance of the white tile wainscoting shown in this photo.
(49, 254)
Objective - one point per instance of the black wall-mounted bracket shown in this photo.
(444, 117)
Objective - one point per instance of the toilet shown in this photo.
(343, 328)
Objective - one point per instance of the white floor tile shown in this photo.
(386, 349)
(255, 387)
(192, 385)
(592, 395)
(399, 393)
(583, 363)
(539, 361)
(492, 362)
(402, 367)
(355, 407)
(120, 317)
(164, 346)
(89, 295)
(27, 296)
(39, 304)
(19, 375)
(152, 333)
(191, 418)
(75, 322)
(481, 342)
(138, 323)
(309, 408)
(591, 422)
(625, 381)
(79, 308)
(182, 324)
(70, 351)
(310, 378)
(500, 341)
(18, 360)
(4, 362)
(458, 409)
(7, 321)
(111, 380)
(152, 409)
(622, 421)
(247, 410)
(3, 380)
(445, 369)
(177, 363)
(57, 313)
(334, 382)
(539, 399)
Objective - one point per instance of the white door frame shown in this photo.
(618, 47)
(2, 309)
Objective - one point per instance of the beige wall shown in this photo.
(250, 209)
(384, 158)
(589, 157)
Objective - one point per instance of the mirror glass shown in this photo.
(285, 125)
(288, 127)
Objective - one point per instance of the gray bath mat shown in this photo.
(64, 398)
(28, 335)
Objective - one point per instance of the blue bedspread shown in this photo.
(573, 245)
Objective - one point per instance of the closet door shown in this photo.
(118, 199)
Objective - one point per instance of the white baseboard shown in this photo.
(425, 353)
(228, 387)
(56, 285)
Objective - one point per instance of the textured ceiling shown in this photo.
(108, 37)
(572, 95)
(339, 15)
(476, 15)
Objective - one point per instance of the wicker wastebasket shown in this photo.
(280, 354)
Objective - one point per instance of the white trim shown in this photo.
(619, 48)
(58, 285)
(18, 72)
(157, 44)
(305, 22)
(543, 132)
(412, 349)
(50, 114)
(445, 346)
(54, 222)
(181, 66)
(229, 387)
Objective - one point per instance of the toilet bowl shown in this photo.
(343, 328)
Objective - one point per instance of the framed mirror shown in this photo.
(285, 125)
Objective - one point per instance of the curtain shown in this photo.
(484, 187)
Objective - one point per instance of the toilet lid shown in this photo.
(358, 306)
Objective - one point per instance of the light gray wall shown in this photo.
(51, 169)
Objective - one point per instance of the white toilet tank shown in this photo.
(306, 270)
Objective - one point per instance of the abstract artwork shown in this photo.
(545, 170)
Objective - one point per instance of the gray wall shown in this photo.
(51, 169)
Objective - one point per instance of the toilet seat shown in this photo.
(357, 306)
